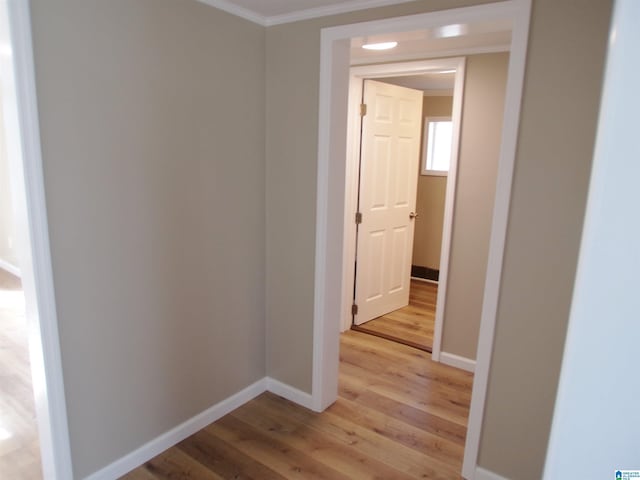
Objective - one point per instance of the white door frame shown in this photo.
(357, 74)
(36, 271)
(331, 174)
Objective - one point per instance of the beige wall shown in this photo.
(480, 136)
(427, 240)
(152, 126)
(152, 122)
(8, 250)
(562, 85)
(555, 146)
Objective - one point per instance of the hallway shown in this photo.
(398, 416)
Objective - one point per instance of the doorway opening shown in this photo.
(332, 143)
(416, 318)
(34, 440)
(20, 455)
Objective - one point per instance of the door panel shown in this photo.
(380, 163)
(388, 178)
(374, 285)
(398, 255)
(404, 173)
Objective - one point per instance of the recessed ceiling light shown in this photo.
(380, 46)
(454, 30)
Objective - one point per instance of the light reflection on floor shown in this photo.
(19, 445)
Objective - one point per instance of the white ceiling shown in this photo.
(273, 12)
(478, 37)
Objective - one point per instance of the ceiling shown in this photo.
(273, 12)
(477, 37)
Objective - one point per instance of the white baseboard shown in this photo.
(290, 393)
(179, 433)
(482, 474)
(168, 439)
(458, 361)
(10, 268)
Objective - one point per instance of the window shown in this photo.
(437, 140)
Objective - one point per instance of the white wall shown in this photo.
(9, 238)
(8, 250)
(596, 424)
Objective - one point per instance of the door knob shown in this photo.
(413, 215)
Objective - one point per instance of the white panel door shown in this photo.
(388, 180)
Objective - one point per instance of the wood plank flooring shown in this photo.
(19, 448)
(398, 416)
(411, 325)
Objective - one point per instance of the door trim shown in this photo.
(333, 103)
(357, 74)
(37, 274)
(449, 209)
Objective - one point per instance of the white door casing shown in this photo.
(390, 151)
(21, 115)
(332, 144)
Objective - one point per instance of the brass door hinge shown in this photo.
(363, 109)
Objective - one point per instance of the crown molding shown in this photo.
(236, 10)
(342, 7)
(309, 13)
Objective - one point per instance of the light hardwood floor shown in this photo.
(398, 416)
(19, 449)
(413, 324)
